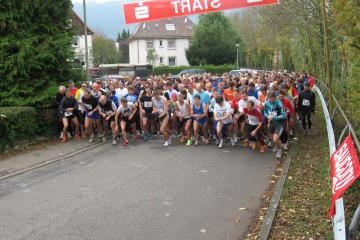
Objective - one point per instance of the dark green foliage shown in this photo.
(214, 42)
(208, 68)
(16, 124)
(35, 49)
(104, 51)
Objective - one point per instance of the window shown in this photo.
(170, 27)
(172, 61)
(76, 41)
(149, 45)
(161, 60)
(171, 44)
(161, 43)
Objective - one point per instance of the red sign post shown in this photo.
(150, 10)
(344, 170)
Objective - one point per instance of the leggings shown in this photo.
(259, 135)
(306, 118)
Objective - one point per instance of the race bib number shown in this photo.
(148, 104)
(68, 114)
(306, 102)
(109, 112)
(88, 106)
(273, 114)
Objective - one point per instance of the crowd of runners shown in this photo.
(255, 110)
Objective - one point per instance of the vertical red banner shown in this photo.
(344, 170)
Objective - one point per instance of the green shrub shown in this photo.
(16, 124)
(208, 68)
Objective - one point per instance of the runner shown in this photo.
(126, 112)
(68, 107)
(224, 121)
(92, 115)
(242, 119)
(146, 108)
(306, 105)
(255, 133)
(183, 113)
(160, 110)
(199, 113)
(276, 116)
(107, 109)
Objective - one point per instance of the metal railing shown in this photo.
(342, 122)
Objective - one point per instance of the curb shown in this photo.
(269, 218)
(50, 161)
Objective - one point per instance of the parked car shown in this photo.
(189, 72)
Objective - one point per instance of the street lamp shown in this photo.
(237, 56)
(86, 42)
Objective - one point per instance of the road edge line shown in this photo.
(274, 203)
(51, 161)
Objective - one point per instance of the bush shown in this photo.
(208, 68)
(16, 124)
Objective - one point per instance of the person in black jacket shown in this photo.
(306, 106)
(59, 96)
(68, 107)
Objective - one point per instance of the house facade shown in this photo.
(168, 38)
(79, 40)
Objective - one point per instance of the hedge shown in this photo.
(16, 124)
(208, 68)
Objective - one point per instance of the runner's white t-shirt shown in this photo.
(220, 111)
(125, 112)
(243, 104)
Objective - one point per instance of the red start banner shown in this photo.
(149, 10)
(344, 170)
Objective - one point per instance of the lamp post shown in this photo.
(237, 56)
(86, 42)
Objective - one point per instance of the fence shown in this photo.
(338, 125)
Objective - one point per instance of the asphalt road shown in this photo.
(145, 192)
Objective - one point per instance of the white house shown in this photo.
(79, 40)
(169, 38)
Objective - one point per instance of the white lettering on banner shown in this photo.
(142, 12)
(344, 171)
(189, 6)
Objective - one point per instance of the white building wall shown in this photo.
(80, 49)
(138, 51)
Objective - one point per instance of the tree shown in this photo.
(151, 56)
(104, 51)
(214, 42)
(123, 40)
(35, 49)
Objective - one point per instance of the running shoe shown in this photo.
(262, 149)
(114, 142)
(125, 143)
(285, 146)
(221, 143)
(275, 149)
(189, 142)
(91, 140)
(196, 143)
(170, 139)
(232, 142)
(166, 144)
(278, 154)
(270, 145)
(104, 139)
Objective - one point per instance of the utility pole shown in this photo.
(86, 42)
(329, 74)
(237, 56)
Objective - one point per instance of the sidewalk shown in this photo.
(53, 151)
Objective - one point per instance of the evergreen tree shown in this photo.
(35, 49)
(214, 41)
(124, 45)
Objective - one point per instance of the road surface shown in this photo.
(143, 191)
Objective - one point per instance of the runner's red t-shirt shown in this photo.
(255, 117)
